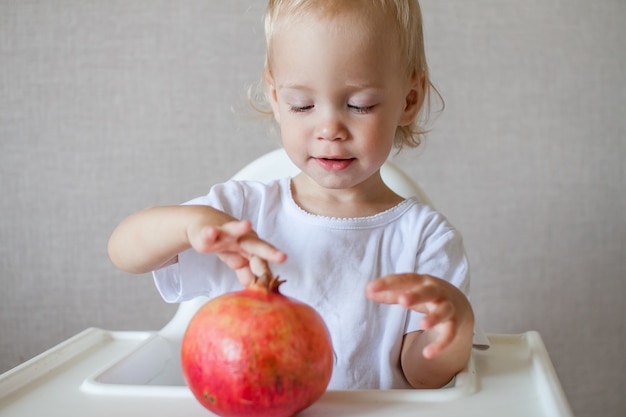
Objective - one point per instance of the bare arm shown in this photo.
(430, 358)
(153, 238)
(435, 372)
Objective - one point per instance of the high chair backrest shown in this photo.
(273, 165)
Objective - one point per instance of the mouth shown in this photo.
(334, 163)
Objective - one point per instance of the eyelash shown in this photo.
(300, 109)
(357, 109)
(361, 110)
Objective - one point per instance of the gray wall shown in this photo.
(107, 107)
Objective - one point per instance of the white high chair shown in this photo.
(123, 373)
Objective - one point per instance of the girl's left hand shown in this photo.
(444, 305)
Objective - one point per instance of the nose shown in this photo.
(331, 127)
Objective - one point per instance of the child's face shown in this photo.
(338, 92)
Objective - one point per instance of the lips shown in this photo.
(334, 164)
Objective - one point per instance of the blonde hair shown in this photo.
(407, 24)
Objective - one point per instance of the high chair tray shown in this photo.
(109, 373)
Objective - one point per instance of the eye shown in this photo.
(300, 109)
(360, 109)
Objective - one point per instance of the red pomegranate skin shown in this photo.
(256, 352)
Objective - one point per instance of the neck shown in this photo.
(366, 199)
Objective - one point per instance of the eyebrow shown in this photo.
(354, 86)
(299, 87)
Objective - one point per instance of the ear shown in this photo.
(414, 98)
(271, 93)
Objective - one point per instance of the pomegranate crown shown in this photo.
(263, 277)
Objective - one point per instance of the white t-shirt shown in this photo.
(330, 260)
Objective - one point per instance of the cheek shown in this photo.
(382, 129)
(293, 121)
(290, 130)
(381, 136)
(381, 150)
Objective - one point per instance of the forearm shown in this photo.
(436, 372)
(152, 238)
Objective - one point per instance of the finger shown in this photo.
(259, 267)
(261, 249)
(395, 282)
(437, 313)
(409, 293)
(210, 234)
(233, 260)
(419, 296)
(388, 289)
(213, 238)
(237, 228)
(245, 276)
(206, 240)
(444, 338)
(250, 243)
(383, 297)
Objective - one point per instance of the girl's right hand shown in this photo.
(235, 243)
(152, 238)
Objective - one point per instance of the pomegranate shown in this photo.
(257, 352)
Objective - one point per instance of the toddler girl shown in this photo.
(346, 81)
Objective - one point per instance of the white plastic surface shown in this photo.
(105, 373)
